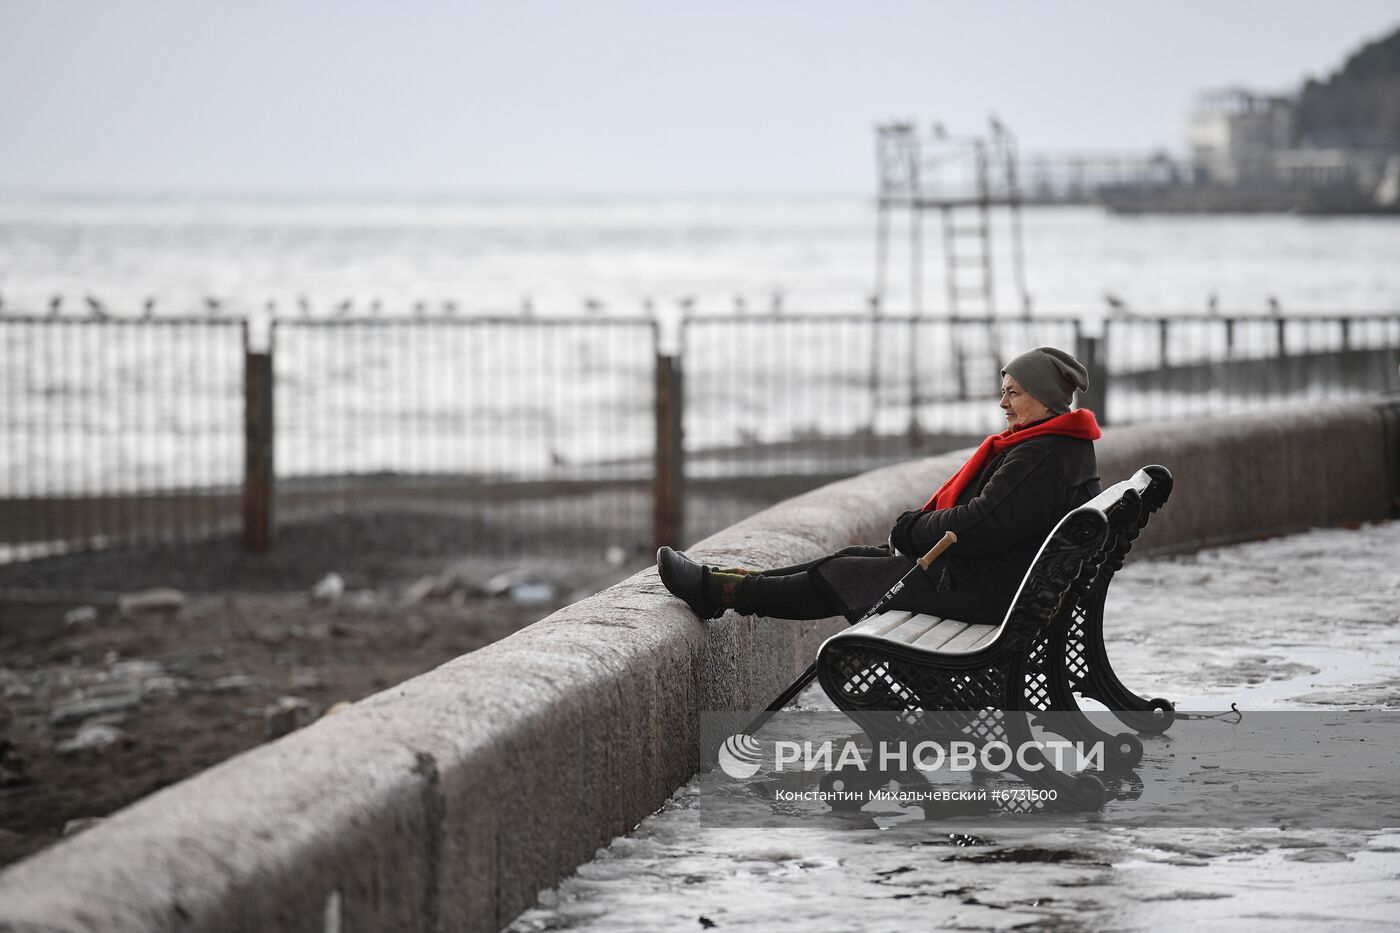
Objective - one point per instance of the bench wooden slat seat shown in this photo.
(944, 677)
(929, 633)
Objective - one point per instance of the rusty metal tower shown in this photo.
(966, 179)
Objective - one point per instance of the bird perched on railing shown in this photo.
(271, 307)
(148, 307)
(212, 305)
(375, 307)
(55, 305)
(687, 303)
(449, 308)
(1274, 307)
(1213, 303)
(740, 305)
(873, 302)
(304, 306)
(593, 306)
(648, 307)
(95, 307)
(345, 307)
(1115, 304)
(420, 308)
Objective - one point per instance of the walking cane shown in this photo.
(810, 674)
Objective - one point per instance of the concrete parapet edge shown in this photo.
(447, 802)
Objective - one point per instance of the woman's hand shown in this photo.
(899, 541)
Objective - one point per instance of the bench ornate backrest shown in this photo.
(1072, 653)
(1067, 572)
(1063, 568)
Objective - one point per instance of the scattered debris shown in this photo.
(158, 678)
(330, 588)
(288, 714)
(237, 683)
(80, 615)
(86, 708)
(78, 825)
(159, 601)
(422, 590)
(91, 737)
(136, 669)
(445, 586)
(532, 593)
(500, 584)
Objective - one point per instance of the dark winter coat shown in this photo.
(1001, 519)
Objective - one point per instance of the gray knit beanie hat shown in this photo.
(1050, 375)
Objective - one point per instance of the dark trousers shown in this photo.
(784, 593)
(796, 593)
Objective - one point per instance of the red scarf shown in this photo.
(1080, 423)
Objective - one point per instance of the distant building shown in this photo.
(1241, 139)
(1233, 136)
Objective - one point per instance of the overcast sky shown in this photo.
(524, 96)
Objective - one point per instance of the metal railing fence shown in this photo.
(1191, 365)
(780, 403)
(537, 433)
(118, 431)
(570, 435)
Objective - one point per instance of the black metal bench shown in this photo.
(909, 677)
(1071, 653)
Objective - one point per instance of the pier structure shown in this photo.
(965, 179)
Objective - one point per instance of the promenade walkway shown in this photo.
(1308, 622)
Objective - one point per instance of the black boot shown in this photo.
(686, 580)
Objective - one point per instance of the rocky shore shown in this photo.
(155, 663)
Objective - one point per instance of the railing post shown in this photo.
(257, 450)
(915, 432)
(668, 484)
(1091, 352)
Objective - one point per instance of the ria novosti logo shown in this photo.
(741, 755)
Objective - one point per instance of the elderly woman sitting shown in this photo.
(1002, 503)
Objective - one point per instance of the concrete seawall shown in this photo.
(446, 802)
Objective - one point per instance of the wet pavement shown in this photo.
(1308, 622)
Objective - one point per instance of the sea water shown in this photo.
(556, 255)
(105, 412)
